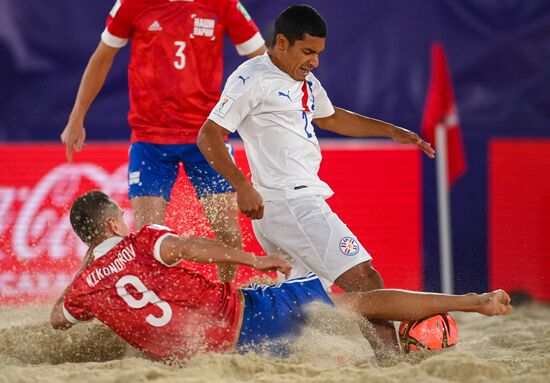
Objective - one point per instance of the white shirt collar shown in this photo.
(105, 246)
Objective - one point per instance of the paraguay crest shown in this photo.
(349, 246)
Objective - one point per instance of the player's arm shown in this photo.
(355, 125)
(96, 71)
(212, 145)
(57, 317)
(202, 250)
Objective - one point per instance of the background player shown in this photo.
(273, 112)
(129, 283)
(174, 74)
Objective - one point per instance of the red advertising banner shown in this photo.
(519, 216)
(38, 251)
(377, 193)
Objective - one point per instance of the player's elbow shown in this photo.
(210, 135)
(203, 139)
(58, 325)
(326, 123)
(57, 319)
(199, 250)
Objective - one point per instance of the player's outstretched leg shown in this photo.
(398, 305)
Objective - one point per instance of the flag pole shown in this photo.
(444, 211)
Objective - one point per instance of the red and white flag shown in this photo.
(440, 110)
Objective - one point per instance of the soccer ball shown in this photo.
(434, 332)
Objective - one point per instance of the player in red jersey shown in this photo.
(129, 283)
(175, 74)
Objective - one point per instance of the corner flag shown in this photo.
(440, 111)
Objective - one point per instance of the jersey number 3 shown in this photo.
(180, 62)
(147, 297)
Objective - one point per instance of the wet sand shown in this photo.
(513, 348)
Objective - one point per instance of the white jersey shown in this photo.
(273, 114)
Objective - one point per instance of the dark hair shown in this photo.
(297, 20)
(89, 214)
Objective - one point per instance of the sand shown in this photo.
(513, 348)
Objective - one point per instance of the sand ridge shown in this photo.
(512, 348)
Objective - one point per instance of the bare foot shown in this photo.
(494, 303)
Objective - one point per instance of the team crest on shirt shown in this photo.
(349, 246)
(223, 106)
(203, 27)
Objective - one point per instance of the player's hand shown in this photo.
(404, 136)
(73, 137)
(250, 202)
(273, 263)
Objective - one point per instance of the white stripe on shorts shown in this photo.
(308, 277)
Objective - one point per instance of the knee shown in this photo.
(227, 228)
(228, 234)
(363, 277)
(373, 278)
(369, 271)
(370, 277)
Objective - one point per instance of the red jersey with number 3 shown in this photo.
(166, 312)
(176, 61)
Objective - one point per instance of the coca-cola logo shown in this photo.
(38, 216)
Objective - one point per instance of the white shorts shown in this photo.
(314, 239)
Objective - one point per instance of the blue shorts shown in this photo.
(274, 315)
(153, 169)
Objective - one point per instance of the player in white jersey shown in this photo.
(272, 100)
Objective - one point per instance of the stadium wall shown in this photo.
(39, 253)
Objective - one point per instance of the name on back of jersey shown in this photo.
(125, 255)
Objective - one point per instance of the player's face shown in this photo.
(303, 56)
(119, 226)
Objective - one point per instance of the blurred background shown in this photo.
(377, 63)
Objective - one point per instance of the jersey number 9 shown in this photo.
(147, 297)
